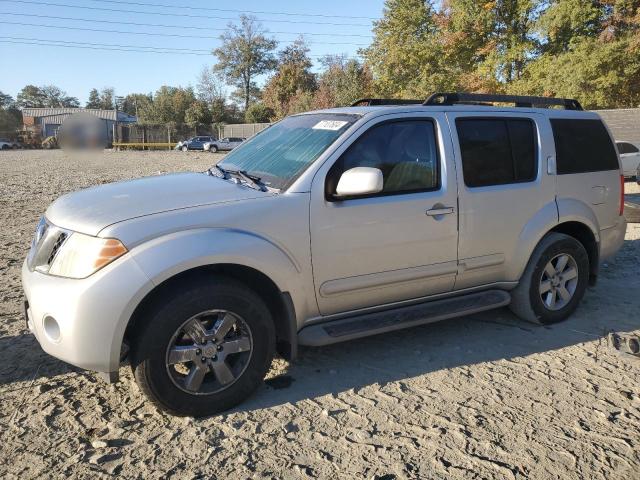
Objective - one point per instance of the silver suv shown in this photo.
(327, 226)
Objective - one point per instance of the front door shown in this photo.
(397, 245)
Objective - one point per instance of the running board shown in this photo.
(409, 316)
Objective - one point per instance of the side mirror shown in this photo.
(359, 181)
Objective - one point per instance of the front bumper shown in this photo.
(82, 322)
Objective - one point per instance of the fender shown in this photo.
(573, 210)
(551, 215)
(166, 256)
(537, 227)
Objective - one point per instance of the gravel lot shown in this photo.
(485, 396)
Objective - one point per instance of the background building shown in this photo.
(46, 121)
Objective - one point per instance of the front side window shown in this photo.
(583, 146)
(281, 153)
(497, 151)
(405, 151)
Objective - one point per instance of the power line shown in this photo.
(113, 46)
(255, 12)
(160, 25)
(65, 27)
(185, 15)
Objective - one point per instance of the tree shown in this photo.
(292, 79)
(107, 98)
(590, 50)
(406, 56)
(30, 97)
(342, 82)
(10, 116)
(55, 97)
(133, 103)
(246, 52)
(94, 99)
(197, 114)
(211, 91)
(169, 106)
(6, 101)
(259, 113)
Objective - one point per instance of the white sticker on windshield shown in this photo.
(329, 125)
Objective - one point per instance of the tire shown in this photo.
(213, 149)
(167, 386)
(185, 149)
(528, 300)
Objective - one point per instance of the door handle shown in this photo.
(435, 212)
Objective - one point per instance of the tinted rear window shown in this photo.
(583, 146)
(497, 151)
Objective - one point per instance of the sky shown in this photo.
(176, 51)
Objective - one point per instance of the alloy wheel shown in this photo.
(558, 281)
(209, 352)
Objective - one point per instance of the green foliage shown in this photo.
(169, 106)
(30, 96)
(587, 49)
(259, 113)
(342, 82)
(284, 90)
(94, 99)
(198, 113)
(136, 102)
(246, 52)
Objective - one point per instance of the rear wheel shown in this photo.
(554, 281)
(205, 349)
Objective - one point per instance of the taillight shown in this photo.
(621, 195)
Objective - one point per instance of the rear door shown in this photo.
(503, 183)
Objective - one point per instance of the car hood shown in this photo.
(90, 210)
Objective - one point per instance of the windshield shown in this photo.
(279, 154)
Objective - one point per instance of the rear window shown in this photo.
(583, 146)
(497, 151)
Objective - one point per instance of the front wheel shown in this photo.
(213, 149)
(205, 349)
(554, 281)
(185, 149)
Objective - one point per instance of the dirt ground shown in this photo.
(485, 396)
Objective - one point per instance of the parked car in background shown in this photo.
(630, 158)
(226, 144)
(195, 143)
(329, 226)
(8, 144)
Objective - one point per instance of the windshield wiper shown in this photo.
(251, 180)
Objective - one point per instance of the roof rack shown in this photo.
(518, 100)
(373, 102)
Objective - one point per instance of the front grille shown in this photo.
(46, 245)
(56, 246)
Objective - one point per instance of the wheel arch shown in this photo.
(279, 303)
(585, 235)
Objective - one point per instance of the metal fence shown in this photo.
(244, 130)
(138, 136)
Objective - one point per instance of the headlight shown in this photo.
(81, 255)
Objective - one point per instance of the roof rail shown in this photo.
(518, 100)
(372, 102)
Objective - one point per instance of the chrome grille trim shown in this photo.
(46, 244)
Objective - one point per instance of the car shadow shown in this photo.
(404, 354)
